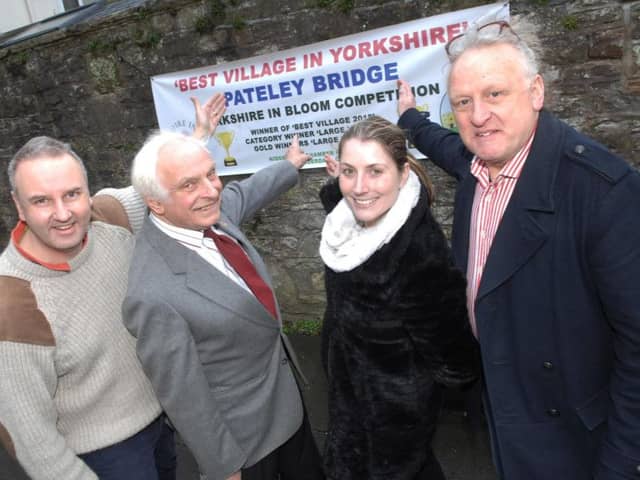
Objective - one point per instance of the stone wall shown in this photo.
(90, 85)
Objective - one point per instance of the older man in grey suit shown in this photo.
(209, 339)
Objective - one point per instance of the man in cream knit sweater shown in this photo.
(74, 401)
(70, 382)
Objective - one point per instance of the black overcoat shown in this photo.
(392, 326)
(558, 306)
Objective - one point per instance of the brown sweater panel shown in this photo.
(6, 442)
(108, 209)
(21, 320)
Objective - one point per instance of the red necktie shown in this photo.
(239, 260)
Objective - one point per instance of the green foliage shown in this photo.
(217, 9)
(238, 23)
(21, 58)
(142, 14)
(541, 3)
(343, 6)
(570, 22)
(147, 38)
(16, 64)
(145, 35)
(204, 24)
(303, 327)
(216, 13)
(98, 47)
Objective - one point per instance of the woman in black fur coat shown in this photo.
(395, 327)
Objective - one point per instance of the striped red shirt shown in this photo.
(489, 203)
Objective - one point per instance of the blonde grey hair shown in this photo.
(481, 35)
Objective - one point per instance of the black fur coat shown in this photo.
(392, 326)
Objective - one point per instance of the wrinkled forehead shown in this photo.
(179, 159)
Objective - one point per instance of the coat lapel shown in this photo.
(206, 280)
(528, 218)
(462, 220)
(233, 231)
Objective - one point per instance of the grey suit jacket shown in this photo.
(213, 353)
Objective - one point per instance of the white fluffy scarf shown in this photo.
(345, 244)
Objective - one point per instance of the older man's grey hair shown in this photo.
(144, 177)
(492, 33)
(40, 147)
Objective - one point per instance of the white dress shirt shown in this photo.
(205, 247)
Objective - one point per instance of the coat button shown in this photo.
(547, 365)
(284, 361)
(579, 149)
(553, 412)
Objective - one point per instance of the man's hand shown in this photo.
(295, 155)
(236, 476)
(208, 115)
(406, 99)
(333, 167)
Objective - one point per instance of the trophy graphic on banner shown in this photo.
(226, 139)
(447, 118)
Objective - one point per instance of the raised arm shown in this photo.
(406, 99)
(208, 115)
(330, 193)
(241, 200)
(440, 145)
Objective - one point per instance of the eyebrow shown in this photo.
(377, 164)
(184, 180)
(38, 196)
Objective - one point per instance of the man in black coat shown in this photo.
(545, 225)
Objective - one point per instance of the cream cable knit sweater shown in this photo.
(70, 381)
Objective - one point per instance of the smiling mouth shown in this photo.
(363, 202)
(64, 228)
(485, 134)
(208, 206)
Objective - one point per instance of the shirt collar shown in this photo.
(16, 237)
(512, 169)
(185, 236)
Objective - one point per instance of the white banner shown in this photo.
(316, 91)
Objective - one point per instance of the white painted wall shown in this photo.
(17, 13)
